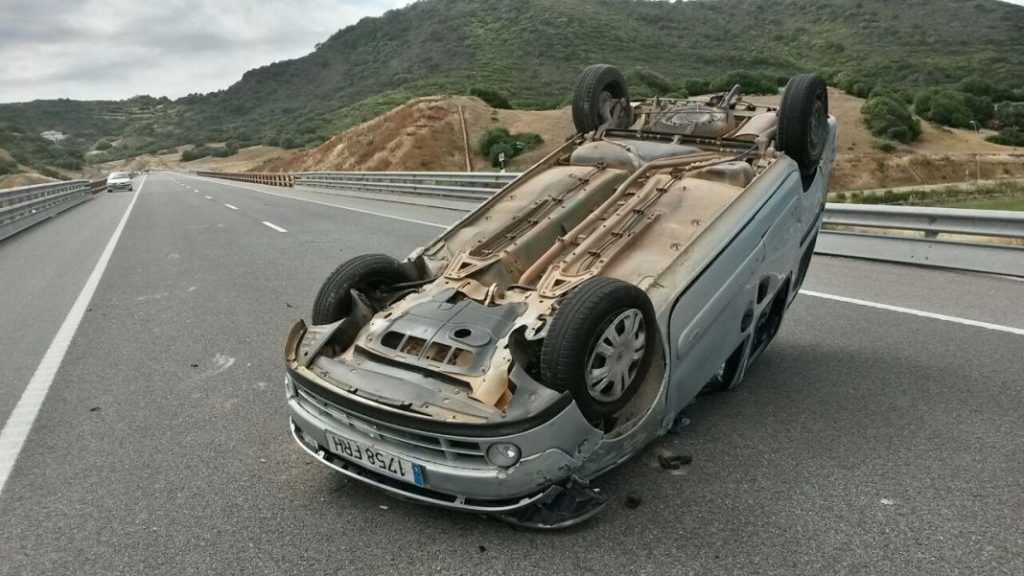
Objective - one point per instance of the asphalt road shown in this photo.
(866, 442)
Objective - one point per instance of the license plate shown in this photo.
(375, 459)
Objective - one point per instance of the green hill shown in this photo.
(531, 51)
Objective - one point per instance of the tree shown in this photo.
(889, 118)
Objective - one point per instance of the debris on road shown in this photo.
(670, 461)
(94, 409)
(633, 501)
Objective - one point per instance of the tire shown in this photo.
(585, 318)
(803, 121)
(767, 326)
(370, 274)
(805, 263)
(726, 378)
(595, 86)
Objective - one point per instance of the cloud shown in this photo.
(112, 49)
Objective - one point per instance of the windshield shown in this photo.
(114, 175)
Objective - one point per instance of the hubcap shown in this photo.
(616, 357)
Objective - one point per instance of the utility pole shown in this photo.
(977, 156)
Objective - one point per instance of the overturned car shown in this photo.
(560, 327)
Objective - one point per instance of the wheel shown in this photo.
(725, 378)
(601, 97)
(805, 263)
(803, 121)
(600, 345)
(769, 322)
(371, 274)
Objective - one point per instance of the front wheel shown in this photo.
(600, 345)
(369, 274)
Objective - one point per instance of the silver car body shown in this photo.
(707, 302)
(119, 181)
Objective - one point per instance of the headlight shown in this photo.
(503, 454)
(289, 386)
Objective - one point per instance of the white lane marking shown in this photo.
(921, 313)
(19, 423)
(208, 197)
(232, 207)
(273, 226)
(361, 211)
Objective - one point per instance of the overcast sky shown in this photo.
(112, 49)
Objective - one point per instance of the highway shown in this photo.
(867, 441)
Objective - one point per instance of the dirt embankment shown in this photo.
(426, 134)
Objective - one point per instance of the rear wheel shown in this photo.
(769, 322)
(601, 99)
(803, 121)
(370, 274)
(600, 345)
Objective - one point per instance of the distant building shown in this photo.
(53, 135)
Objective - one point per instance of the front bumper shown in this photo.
(413, 493)
(456, 473)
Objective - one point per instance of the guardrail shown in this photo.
(286, 179)
(977, 240)
(458, 185)
(27, 205)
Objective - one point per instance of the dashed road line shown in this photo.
(232, 207)
(273, 226)
(361, 211)
(208, 197)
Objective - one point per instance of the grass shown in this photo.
(1001, 196)
(1015, 203)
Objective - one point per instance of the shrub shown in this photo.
(492, 97)
(885, 144)
(979, 86)
(493, 136)
(695, 87)
(7, 166)
(889, 118)
(655, 83)
(1008, 137)
(1010, 115)
(494, 155)
(498, 140)
(751, 82)
(953, 108)
(102, 145)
